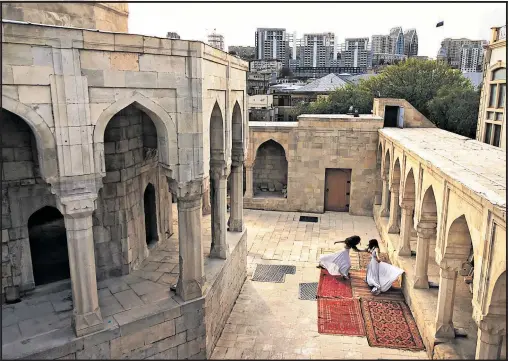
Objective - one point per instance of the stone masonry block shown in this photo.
(32, 75)
(101, 351)
(124, 61)
(43, 56)
(16, 54)
(98, 41)
(141, 79)
(131, 43)
(160, 331)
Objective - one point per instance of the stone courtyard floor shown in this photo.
(268, 320)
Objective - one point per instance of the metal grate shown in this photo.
(269, 273)
(307, 291)
(289, 270)
(308, 219)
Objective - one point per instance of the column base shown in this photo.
(219, 252)
(189, 290)
(236, 225)
(445, 331)
(421, 282)
(87, 323)
(393, 229)
(404, 251)
(384, 213)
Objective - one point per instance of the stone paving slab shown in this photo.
(268, 320)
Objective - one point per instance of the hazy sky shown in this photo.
(238, 21)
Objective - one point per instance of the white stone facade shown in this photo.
(114, 115)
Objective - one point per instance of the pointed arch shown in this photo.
(217, 134)
(428, 211)
(165, 125)
(44, 138)
(409, 189)
(396, 173)
(386, 164)
(458, 242)
(237, 131)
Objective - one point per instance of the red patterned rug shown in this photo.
(340, 316)
(390, 324)
(333, 286)
(360, 288)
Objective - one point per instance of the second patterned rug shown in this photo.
(390, 324)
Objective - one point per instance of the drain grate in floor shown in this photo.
(308, 219)
(307, 291)
(289, 270)
(269, 273)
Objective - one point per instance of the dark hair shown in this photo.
(353, 241)
(372, 244)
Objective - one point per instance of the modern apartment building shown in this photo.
(492, 121)
(411, 43)
(318, 49)
(272, 43)
(471, 58)
(451, 49)
(397, 41)
(356, 52)
(266, 66)
(381, 44)
(216, 40)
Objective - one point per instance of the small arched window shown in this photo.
(495, 107)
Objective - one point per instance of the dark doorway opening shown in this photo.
(337, 189)
(48, 246)
(391, 116)
(149, 203)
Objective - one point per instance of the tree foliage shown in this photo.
(440, 93)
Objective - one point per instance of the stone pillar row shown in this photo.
(425, 233)
(384, 208)
(405, 230)
(393, 225)
(490, 337)
(249, 181)
(445, 305)
(237, 199)
(218, 181)
(77, 212)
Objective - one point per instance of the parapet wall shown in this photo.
(312, 145)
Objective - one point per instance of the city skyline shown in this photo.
(367, 20)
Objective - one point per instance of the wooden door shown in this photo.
(337, 189)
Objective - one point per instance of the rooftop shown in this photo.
(477, 166)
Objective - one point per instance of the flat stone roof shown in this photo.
(477, 166)
(273, 124)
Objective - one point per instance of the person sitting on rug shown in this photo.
(380, 275)
(338, 264)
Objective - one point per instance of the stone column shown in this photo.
(77, 214)
(384, 208)
(249, 181)
(393, 226)
(219, 247)
(206, 198)
(190, 282)
(407, 225)
(490, 339)
(445, 305)
(237, 199)
(425, 232)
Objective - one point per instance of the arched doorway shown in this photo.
(270, 171)
(408, 235)
(48, 246)
(149, 205)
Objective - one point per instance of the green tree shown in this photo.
(440, 93)
(455, 110)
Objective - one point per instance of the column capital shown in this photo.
(186, 191)
(219, 171)
(426, 229)
(449, 273)
(491, 324)
(77, 206)
(237, 157)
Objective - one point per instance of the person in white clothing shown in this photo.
(338, 264)
(380, 275)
